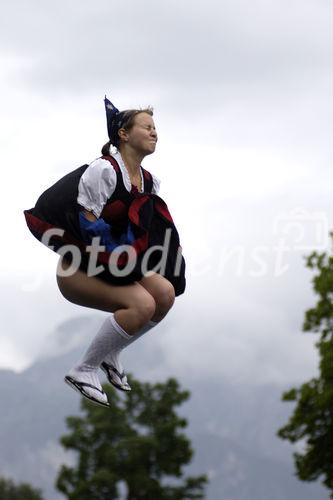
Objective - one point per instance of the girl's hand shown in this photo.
(89, 215)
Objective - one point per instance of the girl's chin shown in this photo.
(151, 149)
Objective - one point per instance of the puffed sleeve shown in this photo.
(96, 185)
(156, 184)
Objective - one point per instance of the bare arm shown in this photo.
(89, 215)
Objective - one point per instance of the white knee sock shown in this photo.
(112, 356)
(110, 340)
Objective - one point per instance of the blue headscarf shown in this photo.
(111, 114)
(115, 120)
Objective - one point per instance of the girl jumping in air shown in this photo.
(119, 247)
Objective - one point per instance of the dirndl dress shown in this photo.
(141, 220)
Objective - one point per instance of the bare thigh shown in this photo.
(162, 291)
(132, 304)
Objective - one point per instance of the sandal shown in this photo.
(79, 386)
(112, 373)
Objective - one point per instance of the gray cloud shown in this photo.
(178, 45)
(244, 74)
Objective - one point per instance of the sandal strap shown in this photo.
(81, 385)
(114, 370)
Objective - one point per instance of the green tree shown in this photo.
(311, 423)
(138, 442)
(23, 491)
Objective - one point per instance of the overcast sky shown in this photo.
(242, 93)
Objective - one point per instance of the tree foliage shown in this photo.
(23, 491)
(311, 423)
(139, 442)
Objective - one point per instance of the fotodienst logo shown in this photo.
(292, 232)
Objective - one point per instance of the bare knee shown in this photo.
(164, 298)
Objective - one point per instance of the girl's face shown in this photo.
(142, 136)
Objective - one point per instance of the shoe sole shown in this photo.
(69, 381)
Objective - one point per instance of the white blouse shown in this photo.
(99, 180)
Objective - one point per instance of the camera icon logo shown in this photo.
(303, 230)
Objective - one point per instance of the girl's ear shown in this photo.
(122, 133)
